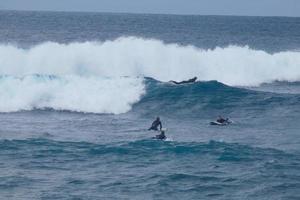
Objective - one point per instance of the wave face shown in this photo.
(211, 98)
(106, 77)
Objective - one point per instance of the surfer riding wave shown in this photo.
(192, 80)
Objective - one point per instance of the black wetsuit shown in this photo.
(161, 136)
(221, 120)
(192, 80)
(155, 125)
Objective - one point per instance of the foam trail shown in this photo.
(74, 93)
(235, 66)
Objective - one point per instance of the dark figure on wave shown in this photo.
(192, 80)
(155, 124)
(221, 121)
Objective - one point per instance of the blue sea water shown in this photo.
(79, 90)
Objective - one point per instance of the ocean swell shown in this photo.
(107, 77)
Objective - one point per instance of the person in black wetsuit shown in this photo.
(155, 125)
(221, 120)
(192, 80)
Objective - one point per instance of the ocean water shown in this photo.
(79, 90)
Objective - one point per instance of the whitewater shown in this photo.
(232, 65)
(88, 76)
(78, 92)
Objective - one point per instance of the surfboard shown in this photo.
(220, 124)
(157, 138)
(216, 123)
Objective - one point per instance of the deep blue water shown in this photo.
(79, 90)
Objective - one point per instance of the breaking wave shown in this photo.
(233, 65)
(107, 77)
(73, 93)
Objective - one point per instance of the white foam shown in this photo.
(82, 66)
(74, 93)
(139, 57)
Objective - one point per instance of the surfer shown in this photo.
(192, 80)
(155, 125)
(221, 120)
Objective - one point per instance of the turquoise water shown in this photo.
(78, 92)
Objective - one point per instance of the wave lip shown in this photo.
(70, 92)
(131, 56)
(101, 77)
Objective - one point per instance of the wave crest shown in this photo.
(100, 77)
(233, 65)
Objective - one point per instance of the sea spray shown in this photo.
(131, 56)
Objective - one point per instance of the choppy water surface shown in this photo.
(79, 90)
